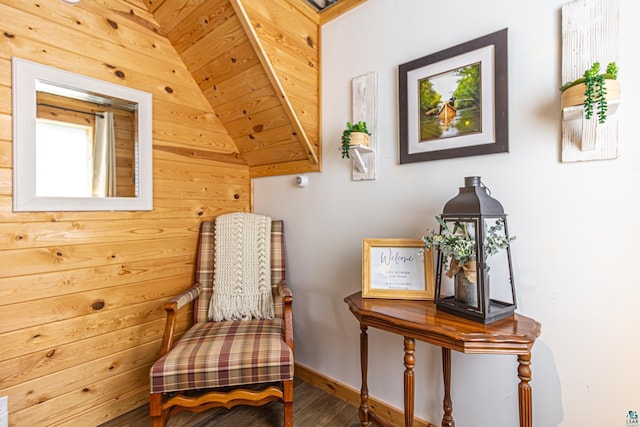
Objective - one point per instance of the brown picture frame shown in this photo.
(394, 268)
(489, 135)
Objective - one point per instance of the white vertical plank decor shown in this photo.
(364, 93)
(589, 34)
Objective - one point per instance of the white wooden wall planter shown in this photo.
(589, 34)
(364, 108)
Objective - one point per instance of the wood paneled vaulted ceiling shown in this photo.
(257, 63)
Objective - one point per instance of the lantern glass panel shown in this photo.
(498, 274)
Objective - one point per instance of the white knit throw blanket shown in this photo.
(242, 268)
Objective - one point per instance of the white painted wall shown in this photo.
(576, 255)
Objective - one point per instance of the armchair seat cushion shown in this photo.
(227, 353)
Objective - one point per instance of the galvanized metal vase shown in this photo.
(465, 291)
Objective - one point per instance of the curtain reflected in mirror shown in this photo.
(104, 157)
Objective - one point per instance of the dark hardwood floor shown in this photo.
(311, 407)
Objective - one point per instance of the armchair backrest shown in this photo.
(205, 258)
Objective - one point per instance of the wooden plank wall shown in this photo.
(81, 293)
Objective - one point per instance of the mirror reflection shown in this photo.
(85, 144)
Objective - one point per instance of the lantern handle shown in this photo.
(482, 184)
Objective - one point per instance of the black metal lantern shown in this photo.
(479, 286)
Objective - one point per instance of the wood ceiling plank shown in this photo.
(201, 21)
(305, 8)
(264, 119)
(255, 123)
(238, 87)
(299, 35)
(300, 89)
(171, 13)
(306, 115)
(227, 36)
(255, 41)
(153, 5)
(261, 99)
(270, 138)
(287, 64)
(225, 66)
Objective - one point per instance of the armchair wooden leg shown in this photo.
(287, 387)
(155, 410)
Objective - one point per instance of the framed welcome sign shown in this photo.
(397, 268)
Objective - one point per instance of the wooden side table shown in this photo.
(420, 320)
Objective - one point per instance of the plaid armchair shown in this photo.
(225, 363)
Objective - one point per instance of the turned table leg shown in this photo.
(363, 412)
(447, 419)
(524, 390)
(409, 364)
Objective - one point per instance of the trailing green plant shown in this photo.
(596, 91)
(346, 135)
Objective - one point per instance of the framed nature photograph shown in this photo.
(453, 103)
(396, 268)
